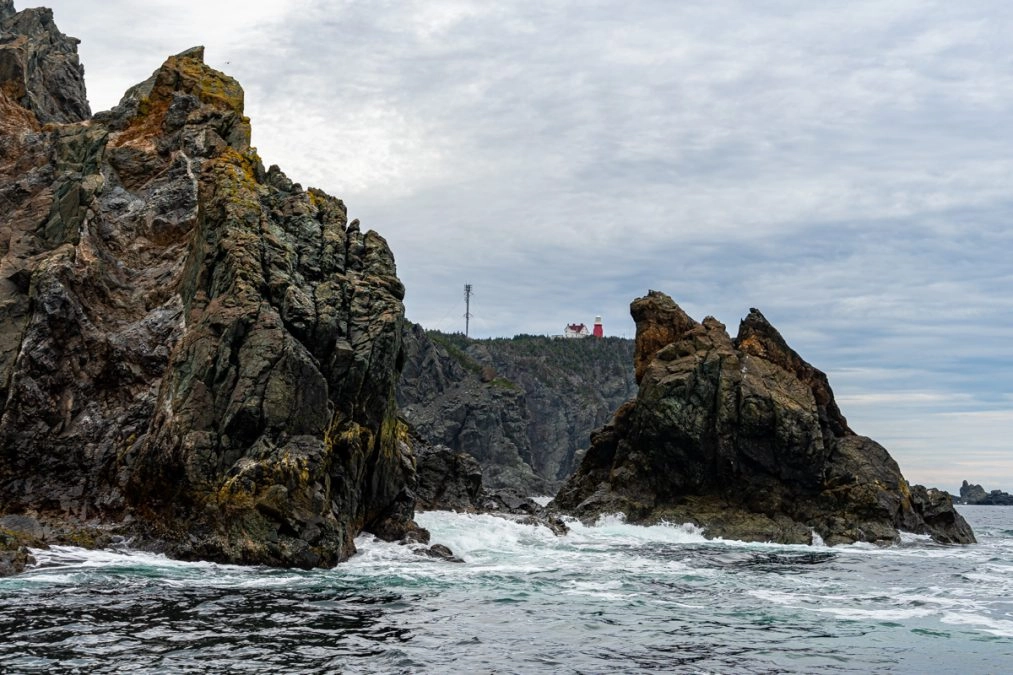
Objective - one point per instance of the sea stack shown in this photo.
(194, 350)
(743, 437)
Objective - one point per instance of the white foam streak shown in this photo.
(876, 614)
(72, 565)
(997, 627)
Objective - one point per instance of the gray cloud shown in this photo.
(843, 167)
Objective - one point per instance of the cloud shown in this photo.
(939, 448)
(844, 169)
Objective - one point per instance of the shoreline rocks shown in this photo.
(743, 438)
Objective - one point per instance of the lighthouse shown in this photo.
(598, 330)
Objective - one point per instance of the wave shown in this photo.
(68, 565)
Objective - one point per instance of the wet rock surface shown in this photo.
(743, 437)
(194, 350)
(452, 481)
(14, 553)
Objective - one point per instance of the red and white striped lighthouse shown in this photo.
(598, 330)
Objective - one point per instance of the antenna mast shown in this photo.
(467, 308)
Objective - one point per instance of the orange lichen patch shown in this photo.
(13, 118)
(213, 87)
(188, 73)
(752, 345)
(185, 73)
(144, 128)
(245, 166)
(13, 89)
(236, 179)
(660, 322)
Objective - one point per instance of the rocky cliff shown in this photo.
(524, 407)
(194, 350)
(743, 437)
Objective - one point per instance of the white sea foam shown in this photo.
(913, 538)
(774, 596)
(603, 595)
(60, 556)
(614, 526)
(71, 565)
(893, 614)
(997, 627)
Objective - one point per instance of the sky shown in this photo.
(842, 166)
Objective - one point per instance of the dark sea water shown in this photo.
(613, 598)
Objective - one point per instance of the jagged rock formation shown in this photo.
(39, 67)
(524, 407)
(975, 494)
(193, 350)
(743, 437)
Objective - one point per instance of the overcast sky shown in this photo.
(845, 167)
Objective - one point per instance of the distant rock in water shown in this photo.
(194, 350)
(975, 494)
(524, 407)
(743, 437)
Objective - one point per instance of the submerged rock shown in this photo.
(439, 552)
(743, 437)
(192, 347)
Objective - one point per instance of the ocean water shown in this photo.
(613, 598)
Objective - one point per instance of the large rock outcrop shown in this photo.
(523, 407)
(194, 350)
(976, 495)
(743, 437)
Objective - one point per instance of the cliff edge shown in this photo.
(743, 437)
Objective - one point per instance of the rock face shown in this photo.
(523, 407)
(975, 494)
(743, 437)
(39, 67)
(447, 480)
(193, 349)
(452, 481)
